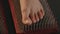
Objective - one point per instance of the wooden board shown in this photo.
(48, 22)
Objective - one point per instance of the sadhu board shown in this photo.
(48, 22)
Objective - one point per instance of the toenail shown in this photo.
(41, 17)
(26, 21)
(34, 21)
(37, 19)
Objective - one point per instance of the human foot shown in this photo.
(32, 11)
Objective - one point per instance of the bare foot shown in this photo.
(32, 11)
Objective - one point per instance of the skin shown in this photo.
(32, 11)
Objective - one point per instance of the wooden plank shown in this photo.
(48, 22)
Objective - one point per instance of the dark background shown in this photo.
(55, 6)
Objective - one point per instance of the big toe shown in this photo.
(27, 21)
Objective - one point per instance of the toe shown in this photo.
(33, 18)
(42, 11)
(37, 18)
(41, 14)
(27, 21)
